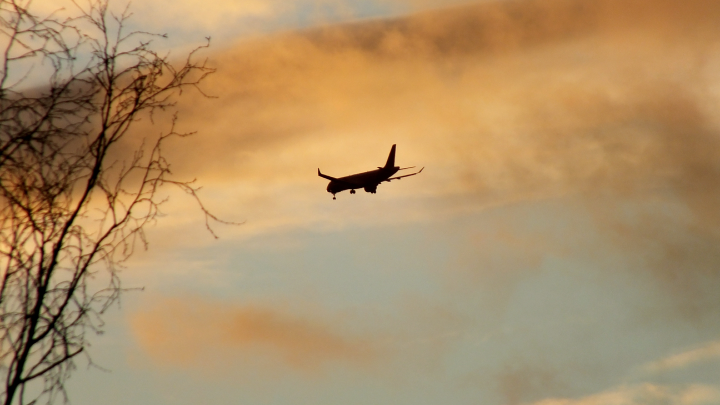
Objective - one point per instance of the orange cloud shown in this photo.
(500, 90)
(693, 394)
(195, 332)
(707, 352)
(207, 17)
(606, 102)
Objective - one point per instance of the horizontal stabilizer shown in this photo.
(407, 175)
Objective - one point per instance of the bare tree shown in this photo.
(73, 205)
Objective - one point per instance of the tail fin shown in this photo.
(391, 158)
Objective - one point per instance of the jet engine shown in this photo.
(371, 189)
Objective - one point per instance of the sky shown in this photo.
(559, 248)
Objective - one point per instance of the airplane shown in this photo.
(367, 180)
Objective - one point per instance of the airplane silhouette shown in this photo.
(367, 180)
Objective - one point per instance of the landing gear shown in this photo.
(334, 197)
(352, 191)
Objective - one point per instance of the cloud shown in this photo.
(707, 352)
(518, 384)
(646, 394)
(194, 332)
(561, 116)
(608, 103)
(197, 14)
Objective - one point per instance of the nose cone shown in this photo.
(330, 188)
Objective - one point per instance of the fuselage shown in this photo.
(366, 180)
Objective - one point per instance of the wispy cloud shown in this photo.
(503, 101)
(211, 17)
(704, 353)
(645, 394)
(608, 104)
(195, 332)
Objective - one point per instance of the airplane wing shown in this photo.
(338, 180)
(407, 175)
(327, 177)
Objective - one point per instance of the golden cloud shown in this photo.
(556, 96)
(606, 102)
(694, 394)
(704, 353)
(195, 332)
(208, 16)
